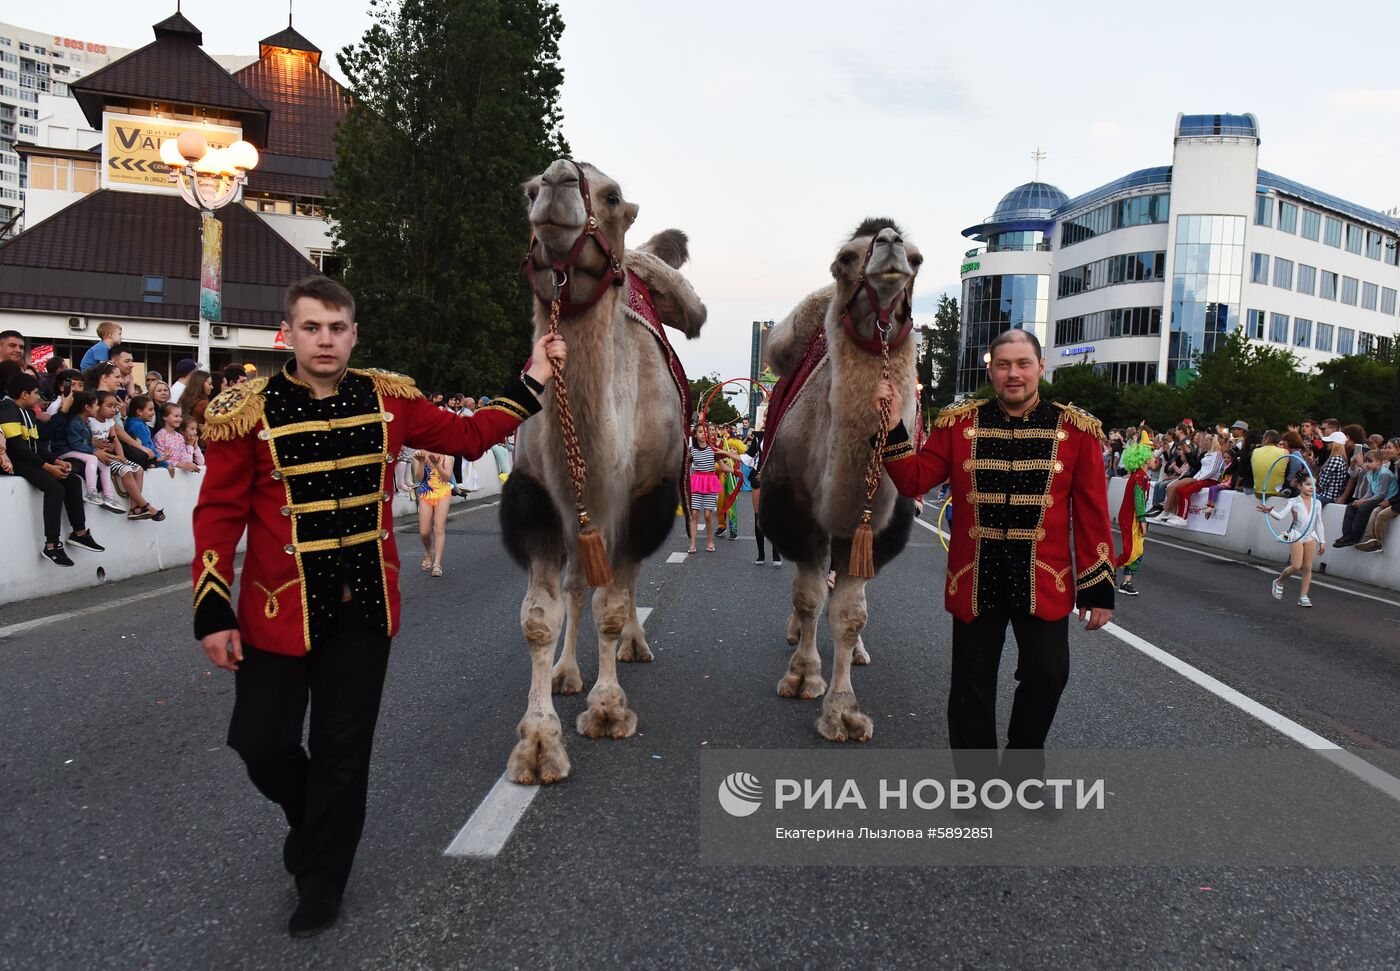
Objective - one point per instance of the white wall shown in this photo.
(1249, 534)
(304, 232)
(133, 548)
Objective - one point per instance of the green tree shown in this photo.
(721, 411)
(1160, 405)
(1256, 383)
(938, 364)
(1356, 389)
(1085, 387)
(454, 104)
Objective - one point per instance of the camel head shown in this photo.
(559, 216)
(877, 254)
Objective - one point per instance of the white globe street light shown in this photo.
(208, 179)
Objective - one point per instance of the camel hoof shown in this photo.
(794, 630)
(607, 715)
(842, 720)
(539, 757)
(566, 680)
(804, 686)
(860, 656)
(634, 650)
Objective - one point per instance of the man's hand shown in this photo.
(224, 649)
(886, 391)
(1095, 617)
(547, 348)
(55, 470)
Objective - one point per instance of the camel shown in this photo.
(628, 415)
(813, 468)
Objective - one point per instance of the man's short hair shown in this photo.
(53, 365)
(1013, 335)
(1355, 432)
(7, 334)
(1332, 423)
(106, 328)
(318, 287)
(1271, 437)
(21, 383)
(117, 351)
(234, 373)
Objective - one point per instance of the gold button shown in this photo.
(286, 510)
(276, 474)
(264, 435)
(289, 548)
(388, 416)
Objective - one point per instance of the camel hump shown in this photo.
(391, 384)
(953, 414)
(671, 246)
(1081, 419)
(676, 300)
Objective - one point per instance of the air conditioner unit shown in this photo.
(77, 323)
(194, 332)
(219, 331)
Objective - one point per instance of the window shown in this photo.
(1254, 324)
(1353, 239)
(1368, 296)
(1312, 224)
(1388, 301)
(1332, 231)
(1392, 252)
(1329, 286)
(1259, 268)
(30, 130)
(1349, 290)
(1365, 344)
(1123, 268)
(1373, 245)
(1302, 332)
(1106, 324)
(1345, 337)
(1128, 372)
(1263, 211)
(1141, 210)
(328, 263)
(1278, 328)
(1287, 217)
(153, 289)
(1283, 273)
(1323, 341)
(1307, 279)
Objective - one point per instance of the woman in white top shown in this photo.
(1179, 493)
(1304, 535)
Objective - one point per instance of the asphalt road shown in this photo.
(130, 837)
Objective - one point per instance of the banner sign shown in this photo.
(39, 355)
(131, 149)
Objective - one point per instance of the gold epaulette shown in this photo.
(391, 383)
(235, 412)
(955, 413)
(1081, 419)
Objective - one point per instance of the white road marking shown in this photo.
(1344, 760)
(677, 557)
(28, 625)
(486, 832)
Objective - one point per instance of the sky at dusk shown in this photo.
(767, 131)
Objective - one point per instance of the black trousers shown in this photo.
(1042, 671)
(322, 794)
(1354, 520)
(58, 495)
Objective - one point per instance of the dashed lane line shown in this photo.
(678, 557)
(106, 605)
(1344, 760)
(487, 830)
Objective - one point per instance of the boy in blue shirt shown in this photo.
(1381, 486)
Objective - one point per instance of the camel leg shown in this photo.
(633, 646)
(861, 655)
(804, 677)
(539, 756)
(568, 680)
(841, 717)
(607, 714)
(794, 628)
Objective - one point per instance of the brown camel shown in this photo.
(627, 411)
(814, 466)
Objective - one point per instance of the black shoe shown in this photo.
(314, 913)
(292, 854)
(86, 542)
(1127, 589)
(1343, 542)
(1154, 511)
(720, 532)
(56, 556)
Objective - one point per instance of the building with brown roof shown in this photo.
(109, 238)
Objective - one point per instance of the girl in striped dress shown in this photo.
(704, 487)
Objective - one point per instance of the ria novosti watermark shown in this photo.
(1100, 808)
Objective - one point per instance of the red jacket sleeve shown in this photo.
(220, 516)
(436, 430)
(915, 473)
(1093, 535)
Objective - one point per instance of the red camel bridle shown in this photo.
(887, 332)
(560, 269)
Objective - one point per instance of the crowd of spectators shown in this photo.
(91, 435)
(1345, 464)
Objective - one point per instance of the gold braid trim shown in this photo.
(1081, 419)
(235, 412)
(390, 383)
(955, 413)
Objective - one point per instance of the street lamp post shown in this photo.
(208, 179)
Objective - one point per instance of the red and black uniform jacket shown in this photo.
(311, 480)
(1017, 485)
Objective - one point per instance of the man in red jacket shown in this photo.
(304, 462)
(1021, 469)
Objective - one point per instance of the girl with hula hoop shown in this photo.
(1304, 535)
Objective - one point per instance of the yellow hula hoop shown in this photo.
(939, 523)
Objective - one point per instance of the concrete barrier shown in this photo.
(1248, 533)
(133, 548)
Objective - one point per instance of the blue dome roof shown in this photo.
(1029, 201)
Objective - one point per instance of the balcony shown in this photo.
(1011, 248)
